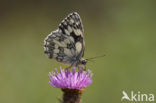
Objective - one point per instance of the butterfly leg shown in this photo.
(72, 65)
(82, 67)
(68, 68)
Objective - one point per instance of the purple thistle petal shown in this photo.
(70, 79)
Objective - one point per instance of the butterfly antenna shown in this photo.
(96, 57)
(90, 60)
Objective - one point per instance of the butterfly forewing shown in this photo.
(66, 44)
(72, 23)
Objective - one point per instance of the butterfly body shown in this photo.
(66, 44)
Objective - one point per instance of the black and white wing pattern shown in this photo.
(66, 44)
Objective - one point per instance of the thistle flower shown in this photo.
(71, 82)
(70, 79)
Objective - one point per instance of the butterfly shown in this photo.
(66, 44)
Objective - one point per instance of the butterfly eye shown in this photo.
(84, 62)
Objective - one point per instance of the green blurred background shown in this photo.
(124, 30)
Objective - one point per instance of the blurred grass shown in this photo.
(123, 30)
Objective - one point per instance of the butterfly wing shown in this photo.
(66, 44)
(72, 26)
(60, 47)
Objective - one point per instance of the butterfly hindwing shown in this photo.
(59, 47)
(66, 44)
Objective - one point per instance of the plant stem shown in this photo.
(72, 95)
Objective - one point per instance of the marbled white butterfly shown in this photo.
(66, 44)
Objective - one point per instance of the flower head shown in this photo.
(66, 79)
